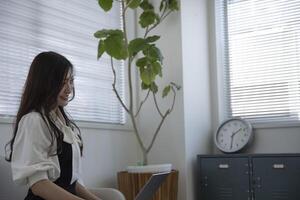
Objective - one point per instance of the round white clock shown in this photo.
(233, 135)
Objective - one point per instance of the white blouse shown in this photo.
(32, 159)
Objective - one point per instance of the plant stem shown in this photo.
(114, 86)
(131, 112)
(163, 118)
(145, 99)
(156, 105)
(157, 130)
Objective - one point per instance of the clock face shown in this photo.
(233, 135)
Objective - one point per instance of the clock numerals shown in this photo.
(233, 135)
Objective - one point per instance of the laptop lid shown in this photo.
(151, 186)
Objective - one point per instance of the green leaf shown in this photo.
(178, 87)
(101, 49)
(115, 47)
(106, 5)
(157, 68)
(133, 3)
(153, 87)
(173, 5)
(116, 32)
(136, 45)
(101, 33)
(147, 75)
(154, 54)
(142, 62)
(147, 18)
(157, 18)
(162, 5)
(144, 86)
(166, 91)
(106, 32)
(153, 38)
(145, 5)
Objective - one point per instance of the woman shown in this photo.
(46, 147)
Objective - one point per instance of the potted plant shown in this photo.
(141, 54)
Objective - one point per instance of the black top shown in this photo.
(65, 162)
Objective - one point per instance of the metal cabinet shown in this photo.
(249, 177)
(276, 177)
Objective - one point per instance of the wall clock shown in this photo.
(233, 135)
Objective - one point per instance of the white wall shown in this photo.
(105, 153)
(197, 98)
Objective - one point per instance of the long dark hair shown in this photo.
(44, 81)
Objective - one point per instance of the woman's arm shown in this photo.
(84, 193)
(50, 191)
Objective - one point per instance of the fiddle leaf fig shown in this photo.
(153, 53)
(147, 75)
(153, 87)
(178, 87)
(173, 5)
(157, 68)
(112, 42)
(144, 86)
(101, 49)
(147, 18)
(162, 5)
(136, 45)
(153, 38)
(101, 34)
(106, 5)
(115, 47)
(133, 3)
(145, 5)
(107, 32)
(166, 91)
(142, 62)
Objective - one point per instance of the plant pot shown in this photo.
(150, 168)
(131, 183)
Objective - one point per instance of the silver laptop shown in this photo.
(151, 186)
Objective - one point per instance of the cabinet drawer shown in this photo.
(224, 178)
(276, 178)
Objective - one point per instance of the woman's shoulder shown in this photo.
(33, 121)
(32, 118)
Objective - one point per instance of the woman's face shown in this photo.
(63, 96)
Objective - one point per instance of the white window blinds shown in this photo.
(261, 59)
(32, 26)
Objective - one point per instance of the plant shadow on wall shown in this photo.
(140, 54)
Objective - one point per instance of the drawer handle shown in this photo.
(223, 166)
(278, 166)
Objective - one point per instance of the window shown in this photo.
(67, 27)
(261, 59)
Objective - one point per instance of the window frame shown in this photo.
(217, 58)
(127, 126)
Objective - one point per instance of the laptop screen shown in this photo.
(151, 186)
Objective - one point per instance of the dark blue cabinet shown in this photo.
(249, 177)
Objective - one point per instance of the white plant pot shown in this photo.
(150, 168)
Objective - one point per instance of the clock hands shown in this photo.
(232, 135)
(231, 141)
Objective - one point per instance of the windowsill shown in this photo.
(85, 125)
(275, 125)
